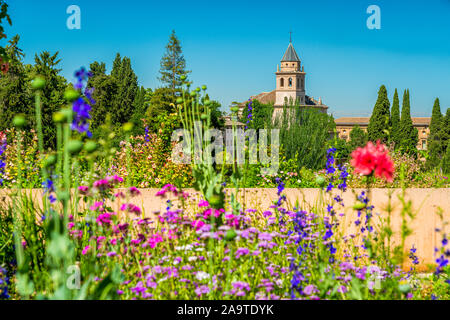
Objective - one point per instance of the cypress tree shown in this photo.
(445, 137)
(173, 65)
(127, 89)
(435, 139)
(395, 120)
(446, 160)
(409, 136)
(380, 120)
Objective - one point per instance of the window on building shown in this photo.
(290, 82)
(424, 144)
(282, 82)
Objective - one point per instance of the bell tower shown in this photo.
(290, 77)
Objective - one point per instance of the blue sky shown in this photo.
(234, 46)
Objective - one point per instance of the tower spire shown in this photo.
(290, 36)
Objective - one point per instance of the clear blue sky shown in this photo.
(234, 46)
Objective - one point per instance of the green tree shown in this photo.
(395, 120)
(15, 95)
(435, 146)
(358, 138)
(161, 103)
(127, 89)
(304, 135)
(105, 90)
(140, 108)
(52, 98)
(446, 160)
(261, 115)
(379, 122)
(446, 127)
(409, 136)
(173, 65)
(3, 15)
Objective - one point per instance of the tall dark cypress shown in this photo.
(408, 134)
(435, 138)
(380, 120)
(395, 120)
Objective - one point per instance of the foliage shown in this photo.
(46, 66)
(261, 115)
(409, 136)
(15, 96)
(173, 65)
(358, 138)
(435, 140)
(379, 122)
(395, 120)
(304, 133)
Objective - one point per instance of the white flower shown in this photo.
(202, 275)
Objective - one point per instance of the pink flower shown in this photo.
(167, 188)
(115, 179)
(197, 224)
(203, 203)
(105, 218)
(102, 184)
(131, 208)
(134, 191)
(83, 190)
(373, 159)
(70, 225)
(85, 250)
(96, 206)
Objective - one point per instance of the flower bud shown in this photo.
(90, 146)
(197, 89)
(74, 146)
(204, 116)
(19, 121)
(183, 77)
(207, 102)
(71, 95)
(359, 205)
(204, 87)
(193, 94)
(59, 117)
(49, 161)
(127, 127)
(179, 100)
(68, 113)
(38, 83)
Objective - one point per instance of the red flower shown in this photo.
(373, 159)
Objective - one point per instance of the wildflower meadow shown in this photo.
(77, 182)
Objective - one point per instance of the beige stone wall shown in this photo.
(425, 203)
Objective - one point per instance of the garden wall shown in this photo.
(424, 204)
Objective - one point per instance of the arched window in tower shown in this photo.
(298, 83)
(282, 82)
(302, 84)
(290, 82)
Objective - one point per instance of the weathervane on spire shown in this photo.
(290, 36)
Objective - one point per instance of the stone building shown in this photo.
(290, 85)
(345, 125)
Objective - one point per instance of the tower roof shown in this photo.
(290, 54)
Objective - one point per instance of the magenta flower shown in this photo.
(85, 250)
(134, 191)
(131, 208)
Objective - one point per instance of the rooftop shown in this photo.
(290, 55)
(365, 121)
